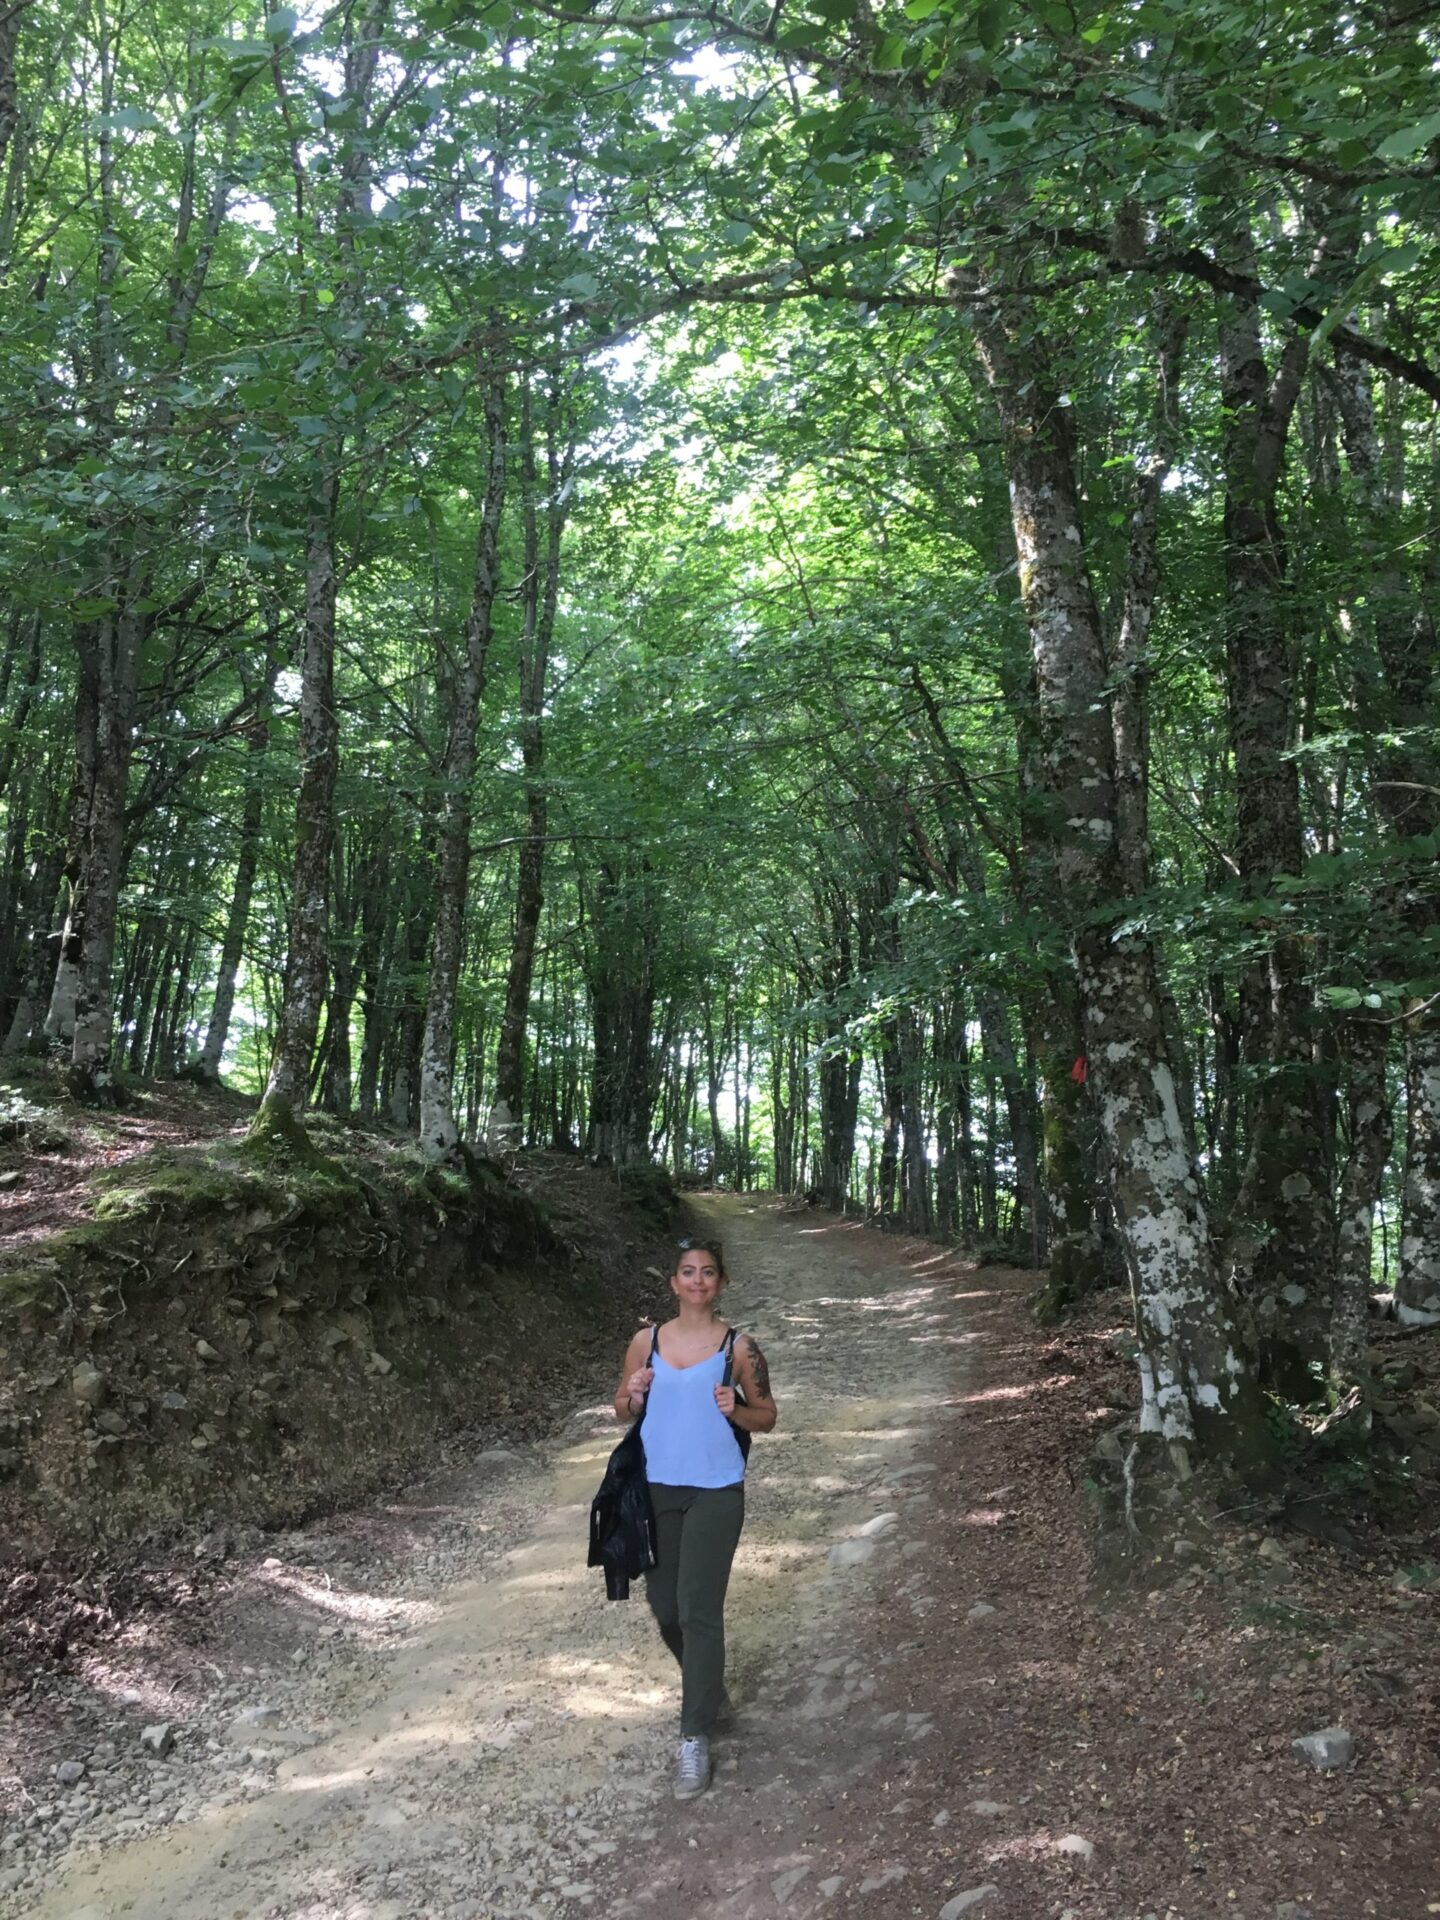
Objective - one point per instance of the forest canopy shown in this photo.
(842, 597)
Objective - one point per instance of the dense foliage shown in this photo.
(842, 596)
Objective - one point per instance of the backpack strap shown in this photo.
(742, 1434)
(645, 1402)
(727, 1378)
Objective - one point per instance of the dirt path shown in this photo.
(426, 1711)
(486, 1737)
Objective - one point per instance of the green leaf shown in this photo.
(990, 23)
(128, 120)
(920, 9)
(1390, 260)
(1399, 146)
(281, 25)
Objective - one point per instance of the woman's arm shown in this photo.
(635, 1377)
(759, 1412)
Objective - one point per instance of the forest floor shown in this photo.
(48, 1186)
(423, 1709)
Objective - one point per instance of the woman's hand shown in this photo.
(638, 1385)
(725, 1401)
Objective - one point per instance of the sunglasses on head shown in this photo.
(689, 1245)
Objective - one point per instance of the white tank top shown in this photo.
(688, 1441)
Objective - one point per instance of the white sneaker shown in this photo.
(692, 1768)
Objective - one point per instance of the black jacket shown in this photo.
(622, 1519)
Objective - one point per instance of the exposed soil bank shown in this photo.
(222, 1336)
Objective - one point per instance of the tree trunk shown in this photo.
(117, 667)
(542, 589)
(307, 953)
(307, 969)
(916, 1204)
(65, 976)
(1280, 1253)
(237, 921)
(1365, 1046)
(1000, 1052)
(1071, 1158)
(13, 958)
(620, 963)
(1196, 1385)
(17, 718)
(1417, 1290)
(36, 974)
(1403, 710)
(438, 1133)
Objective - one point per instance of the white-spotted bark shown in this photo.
(1195, 1379)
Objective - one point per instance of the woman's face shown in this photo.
(696, 1279)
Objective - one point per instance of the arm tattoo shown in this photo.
(759, 1368)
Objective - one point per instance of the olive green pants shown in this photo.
(698, 1530)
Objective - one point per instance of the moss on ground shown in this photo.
(273, 1183)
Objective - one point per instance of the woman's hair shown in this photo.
(692, 1243)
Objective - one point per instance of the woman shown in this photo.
(696, 1469)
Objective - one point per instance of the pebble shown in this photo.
(87, 1384)
(1076, 1845)
(981, 1610)
(70, 1772)
(989, 1809)
(784, 1884)
(158, 1739)
(851, 1553)
(882, 1523)
(1328, 1750)
(964, 1902)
